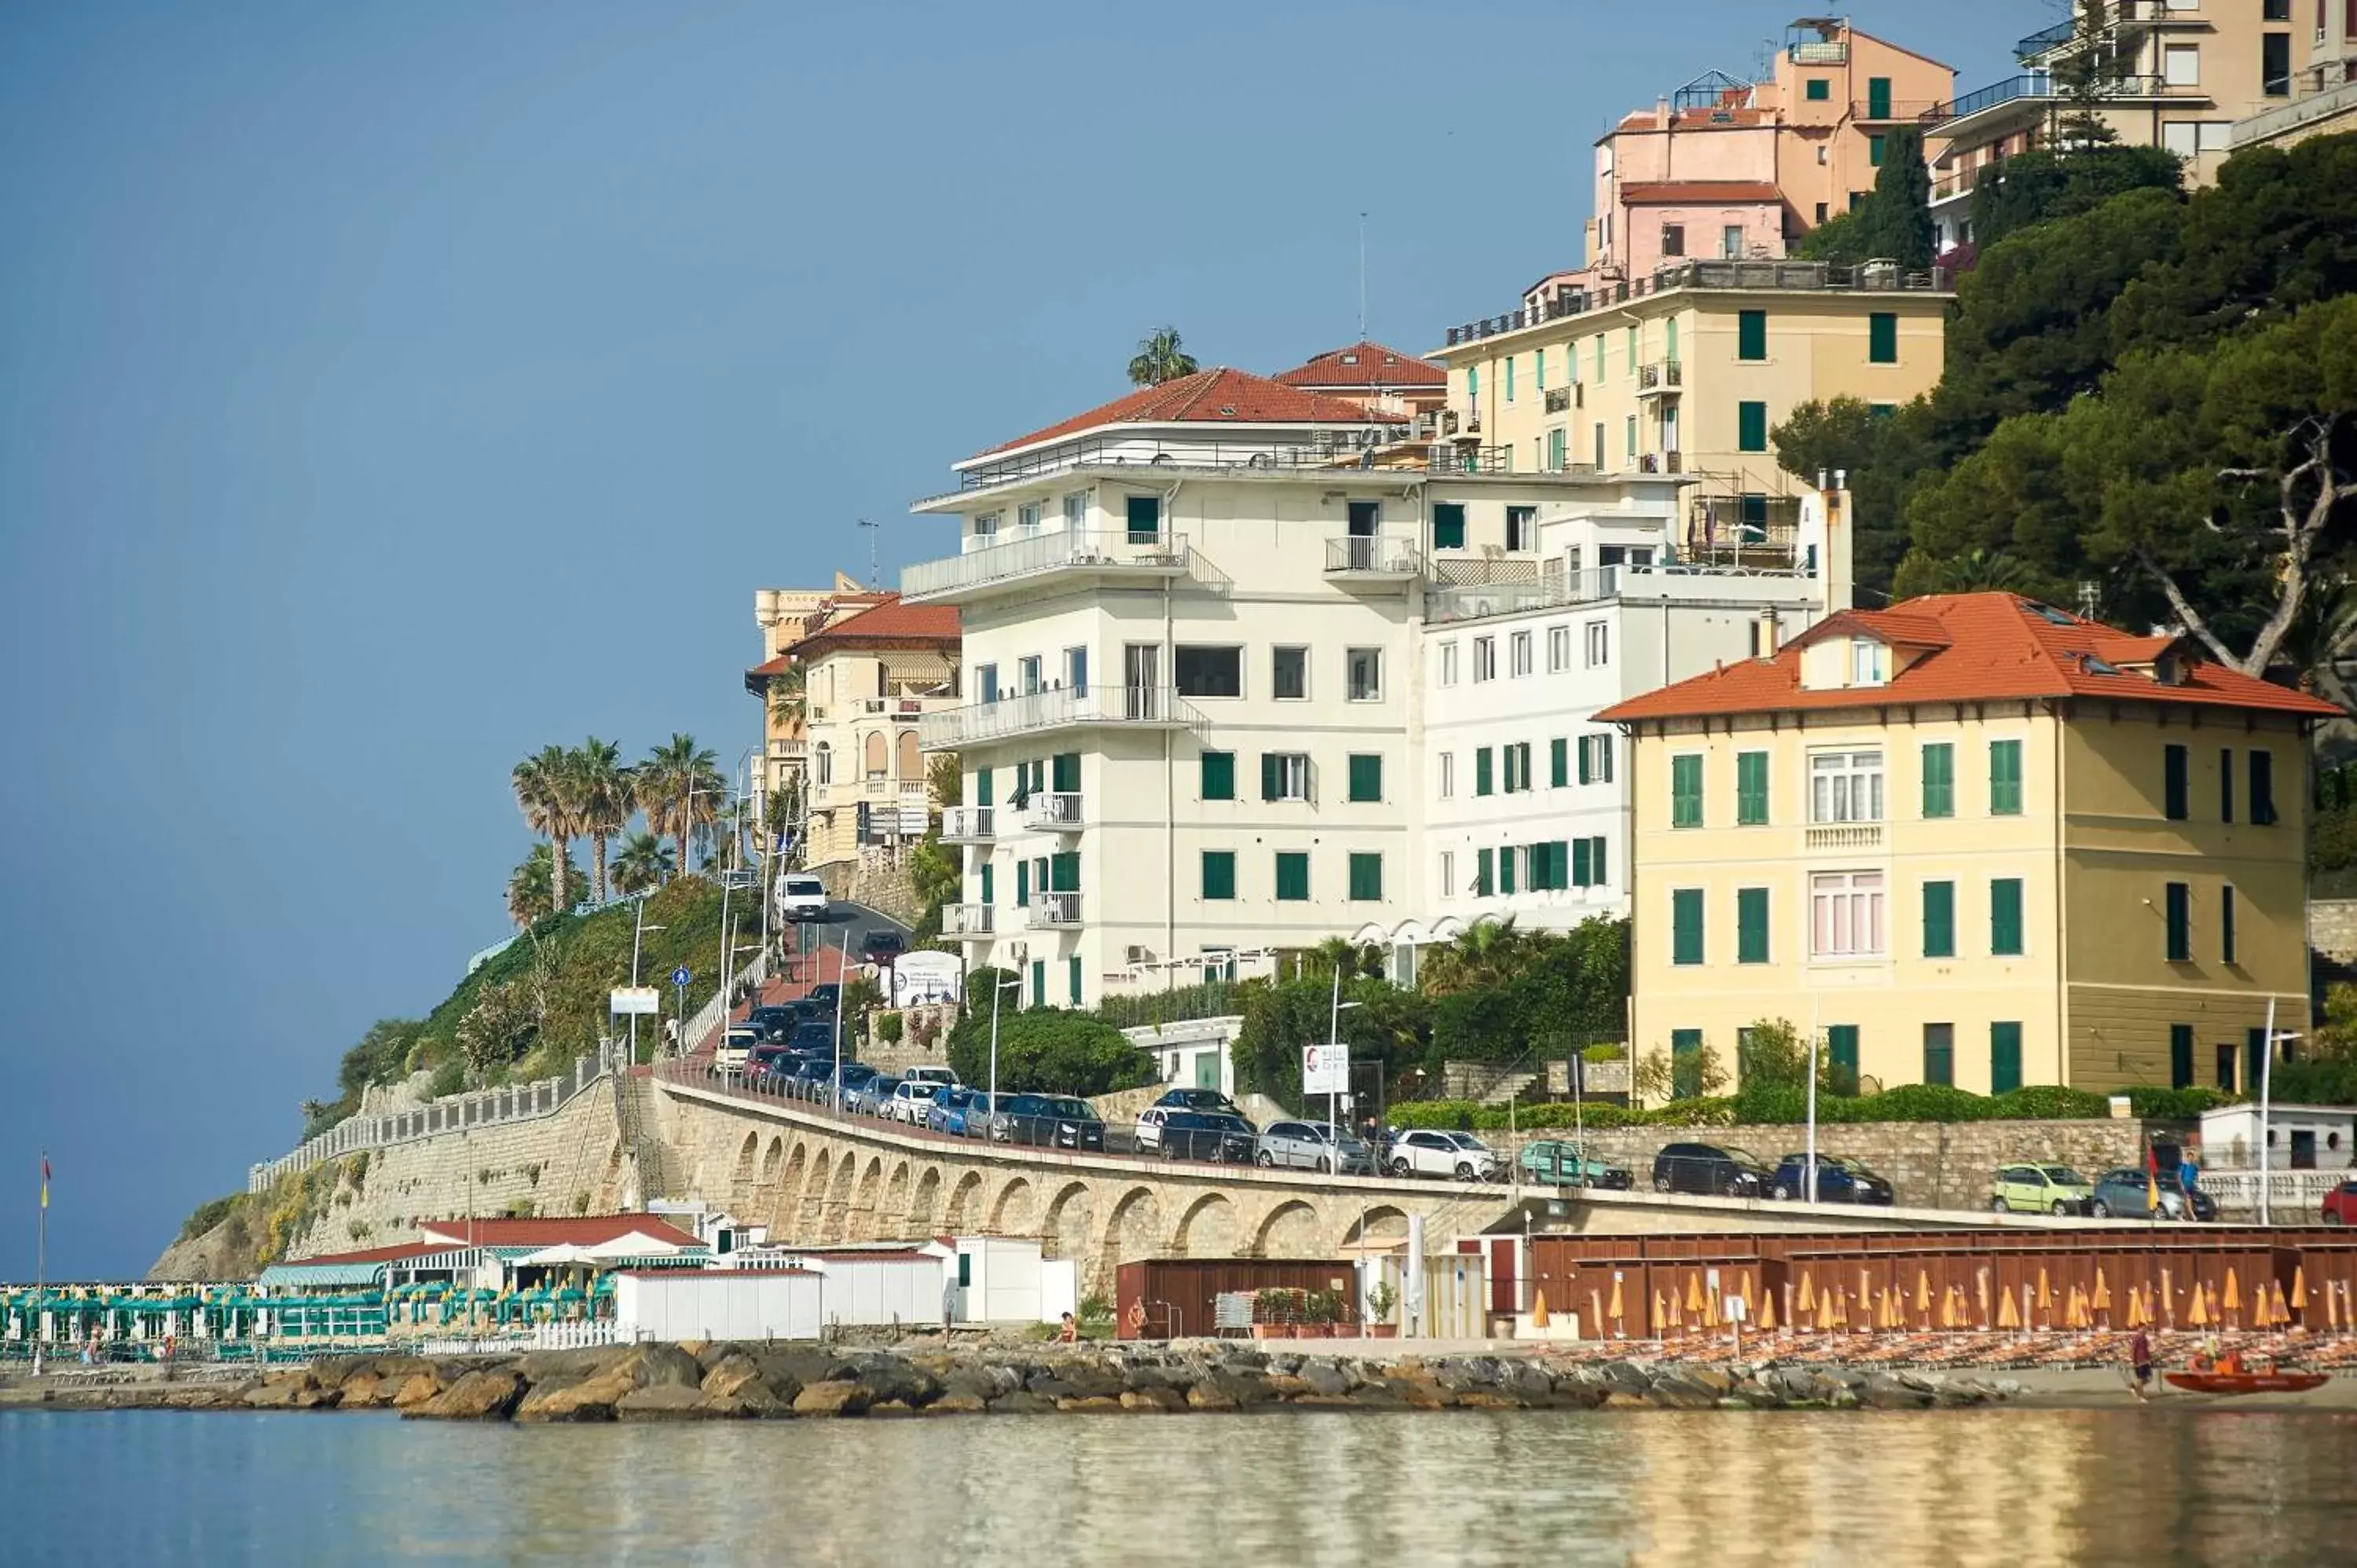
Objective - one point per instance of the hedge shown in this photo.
(1780, 1105)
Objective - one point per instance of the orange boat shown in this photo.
(2232, 1375)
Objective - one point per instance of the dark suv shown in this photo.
(1839, 1180)
(1199, 1100)
(1711, 1170)
(1209, 1135)
(883, 946)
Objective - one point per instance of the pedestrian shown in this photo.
(1071, 1332)
(949, 1306)
(2140, 1360)
(671, 1035)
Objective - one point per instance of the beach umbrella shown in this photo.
(1865, 1286)
(1595, 1312)
(2199, 1316)
(1808, 1290)
(2005, 1317)
(2167, 1299)
(2300, 1287)
(2135, 1311)
(1677, 1316)
(1923, 1294)
(1661, 1315)
(1617, 1313)
(2283, 1306)
(2234, 1293)
(2103, 1301)
(1694, 1296)
(1538, 1303)
(1982, 1280)
(1768, 1312)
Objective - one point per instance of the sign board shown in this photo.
(1325, 1069)
(628, 999)
(681, 976)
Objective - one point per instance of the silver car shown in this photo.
(1314, 1146)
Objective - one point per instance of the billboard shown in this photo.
(1325, 1069)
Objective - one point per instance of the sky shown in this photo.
(387, 392)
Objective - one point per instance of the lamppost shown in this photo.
(2266, 1129)
(996, 989)
(638, 929)
(1334, 1038)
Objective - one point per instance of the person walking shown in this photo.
(949, 1306)
(2140, 1361)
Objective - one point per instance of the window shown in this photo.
(1219, 776)
(1874, 151)
(1510, 378)
(1938, 920)
(1448, 873)
(1730, 243)
(2180, 914)
(1820, 90)
(1558, 451)
(1599, 636)
(1026, 674)
(1219, 873)
(2005, 1058)
(1596, 758)
(1481, 878)
(1629, 428)
(2172, 783)
(1549, 867)
(1685, 925)
(1882, 337)
(1506, 858)
(1482, 782)
(1752, 335)
(1685, 1063)
(1367, 877)
(1022, 884)
(1752, 427)
(2226, 924)
(2275, 64)
(1845, 913)
(1673, 238)
(1366, 778)
(1520, 650)
(1447, 775)
(988, 885)
(2005, 917)
(1559, 648)
(2262, 790)
(1538, 370)
(1288, 675)
(2226, 784)
(1518, 768)
(1685, 790)
(1752, 925)
(1209, 671)
(1600, 443)
(985, 527)
(1939, 1053)
(1939, 780)
(1076, 669)
(1076, 510)
(1521, 527)
(2276, 11)
(1869, 662)
(1039, 983)
(1292, 877)
(1027, 517)
(1448, 525)
(1558, 762)
(2180, 65)
(1072, 977)
(2004, 779)
(1845, 786)
(986, 683)
(1485, 658)
(1364, 673)
(1448, 664)
(2181, 1055)
(1145, 513)
(1284, 776)
(1878, 98)
(1750, 789)
(1596, 872)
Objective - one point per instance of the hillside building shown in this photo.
(869, 676)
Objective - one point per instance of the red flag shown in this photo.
(44, 1181)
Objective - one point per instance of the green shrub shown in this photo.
(2153, 1103)
(2049, 1102)
(208, 1215)
(1605, 1054)
(1927, 1102)
(1452, 1115)
(450, 1078)
(890, 1027)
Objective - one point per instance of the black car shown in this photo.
(1199, 1100)
(822, 999)
(1711, 1170)
(883, 945)
(1209, 1135)
(1048, 1120)
(1839, 1180)
(774, 1022)
(812, 1035)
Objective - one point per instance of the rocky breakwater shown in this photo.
(751, 1382)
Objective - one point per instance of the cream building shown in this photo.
(785, 616)
(1974, 839)
(869, 676)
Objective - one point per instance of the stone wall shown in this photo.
(2331, 941)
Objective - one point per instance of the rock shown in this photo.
(1287, 1387)
(1672, 1394)
(364, 1390)
(550, 1368)
(958, 1404)
(1731, 1402)
(1379, 1393)
(417, 1389)
(1457, 1376)
(839, 1396)
(794, 1368)
(1488, 1399)
(663, 1401)
(1526, 1381)
(1023, 1402)
(1096, 1404)
(729, 1376)
(1625, 1376)
(1244, 1387)
(1620, 1399)
(1208, 1396)
(1883, 1391)
(1326, 1378)
(652, 1366)
(889, 1381)
(589, 1398)
(1154, 1400)
(282, 1390)
(1075, 1382)
(489, 1394)
(891, 1408)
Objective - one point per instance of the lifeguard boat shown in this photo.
(2232, 1374)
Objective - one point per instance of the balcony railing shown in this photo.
(1481, 601)
(1749, 277)
(1063, 707)
(968, 919)
(1844, 835)
(1827, 51)
(2040, 86)
(1384, 557)
(1891, 111)
(969, 824)
(1663, 375)
(1149, 554)
(1562, 399)
(1054, 911)
(789, 748)
(1054, 811)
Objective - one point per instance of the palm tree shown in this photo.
(1984, 571)
(603, 789)
(528, 890)
(1487, 952)
(544, 788)
(678, 787)
(788, 694)
(1160, 358)
(643, 862)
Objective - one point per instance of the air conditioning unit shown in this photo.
(1138, 954)
(1019, 951)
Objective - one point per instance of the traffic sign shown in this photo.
(634, 999)
(681, 976)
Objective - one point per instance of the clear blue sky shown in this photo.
(388, 391)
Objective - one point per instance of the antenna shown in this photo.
(1362, 277)
(872, 530)
(2088, 594)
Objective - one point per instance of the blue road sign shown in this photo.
(680, 977)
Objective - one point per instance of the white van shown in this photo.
(801, 897)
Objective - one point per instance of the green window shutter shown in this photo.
(1685, 1064)
(1075, 964)
(1686, 925)
(1022, 884)
(1750, 788)
(1039, 983)
(1219, 873)
(2181, 1055)
(1506, 870)
(1064, 872)
(1751, 427)
(1064, 769)
(1874, 145)
(1366, 778)
(1271, 782)
(1449, 526)
(1840, 1055)
(1367, 877)
(2180, 923)
(2004, 779)
(1878, 98)
(1752, 335)
(981, 787)
(1481, 874)
(2005, 1058)
(1583, 869)
(1685, 791)
(2226, 924)
(1219, 776)
(1938, 920)
(1586, 763)
(1821, 88)
(1559, 763)
(2226, 785)
(1145, 518)
(1939, 1053)
(2263, 789)
(1752, 925)
(1481, 779)
(1538, 370)
(1882, 337)
(1510, 378)
(1595, 863)
(1939, 780)
(2173, 791)
(986, 894)
(2005, 917)
(1292, 877)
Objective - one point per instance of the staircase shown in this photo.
(1514, 1086)
(643, 1176)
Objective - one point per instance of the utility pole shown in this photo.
(874, 530)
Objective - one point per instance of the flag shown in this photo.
(44, 1181)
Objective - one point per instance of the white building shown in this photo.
(1206, 633)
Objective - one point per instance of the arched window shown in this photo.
(913, 761)
(877, 756)
(825, 763)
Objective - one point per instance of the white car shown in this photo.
(933, 1077)
(801, 897)
(1150, 1125)
(1461, 1155)
(911, 1098)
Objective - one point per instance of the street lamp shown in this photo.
(1334, 1038)
(1012, 983)
(2266, 1129)
(638, 929)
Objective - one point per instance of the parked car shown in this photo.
(948, 1111)
(821, 999)
(801, 897)
(812, 1035)
(775, 1020)
(865, 1088)
(2340, 1205)
(910, 1100)
(1198, 1100)
(1555, 1162)
(1315, 1146)
(1711, 1170)
(2040, 1189)
(809, 1076)
(1426, 1151)
(939, 1077)
(1203, 1135)
(763, 1063)
(976, 1121)
(2126, 1194)
(734, 1046)
(1048, 1121)
(883, 946)
(1840, 1179)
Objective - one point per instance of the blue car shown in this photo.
(1839, 1180)
(951, 1103)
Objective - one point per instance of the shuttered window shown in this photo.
(1219, 873)
(1752, 427)
(2005, 917)
(2262, 790)
(1449, 526)
(1292, 878)
(1686, 925)
(2004, 778)
(1484, 783)
(1367, 877)
(1366, 778)
(1685, 791)
(1752, 925)
(1750, 788)
(1939, 780)
(1882, 338)
(1559, 763)
(1752, 335)
(1938, 920)
(1219, 776)
(2005, 1058)
(2173, 802)
(2180, 922)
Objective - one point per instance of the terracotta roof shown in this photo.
(1216, 396)
(375, 1254)
(588, 1230)
(1982, 647)
(1705, 118)
(888, 621)
(1665, 193)
(777, 666)
(1363, 364)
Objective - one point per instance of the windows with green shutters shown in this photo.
(1484, 876)
(1752, 925)
(1751, 427)
(2004, 779)
(1752, 335)
(2226, 924)
(1448, 525)
(1292, 877)
(1022, 884)
(1483, 784)
(1882, 338)
(1284, 776)
(987, 894)
(1841, 1057)
(1558, 762)
(1685, 1063)
(1750, 789)
(1072, 975)
(2005, 917)
(2178, 906)
(2262, 790)
(1938, 920)
(2005, 1058)
(1367, 877)
(1517, 759)
(1939, 1053)
(1219, 776)
(2174, 804)
(1039, 983)
(1366, 777)
(1940, 781)
(1685, 790)
(1219, 873)
(1685, 925)
(2181, 1055)
(1596, 758)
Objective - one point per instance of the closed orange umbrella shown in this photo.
(1767, 1311)
(1808, 1290)
(1595, 1312)
(1982, 1279)
(1661, 1315)
(2300, 1287)
(1693, 1295)
(1864, 1287)
(2233, 1293)
(2199, 1316)
(1617, 1311)
(2167, 1298)
(2004, 1318)
(1538, 1307)
(2135, 1310)
(1677, 1318)
(1923, 1294)
(2103, 1301)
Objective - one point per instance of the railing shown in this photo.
(2321, 97)
(2044, 39)
(1157, 553)
(790, 747)
(1831, 52)
(1890, 110)
(1054, 811)
(568, 1334)
(1595, 585)
(968, 824)
(709, 1016)
(1053, 910)
(1355, 553)
(1786, 275)
(1844, 835)
(948, 729)
(1562, 399)
(1346, 445)
(2040, 85)
(1755, 519)
(1662, 375)
(2291, 1195)
(967, 920)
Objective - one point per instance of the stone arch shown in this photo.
(859, 1223)
(1208, 1229)
(784, 1216)
(892, 1220)
(1379, 1226)
(1133, 1230)
(1012, 1211)
(813, 1207)
(1064, 1229)
(1290, 1230)
(772, 1158)
(926, 1203)
(740, 1180)
(834, 1213)
(961, 1215)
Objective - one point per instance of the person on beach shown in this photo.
(1071, 1332)
(2140, 1360)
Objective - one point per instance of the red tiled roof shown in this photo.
(1705, 118)
(375, 1254)
(887, 621)
(1364, 365)
(1671, 192)
(1981, 646)
(588, 1230)
(1216, 396)
(777, 666)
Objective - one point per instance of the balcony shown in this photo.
(1562, 399)
(1061, 708)
(1663, 378)
(968, 824)
(1056, 812)
(1848, 837)
(968, 923)
(2049, 43)
(1361, 560)
(1742, 276)
(2003, 105)
(1020, 564)
(1054, 911)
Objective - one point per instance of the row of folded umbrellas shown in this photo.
(2073, 1348)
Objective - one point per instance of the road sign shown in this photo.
(681, 976)
(1325, 1069)
(631, 999)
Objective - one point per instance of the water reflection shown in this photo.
(1953, 1487)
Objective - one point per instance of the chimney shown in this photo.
(1769, 631)
(1661, 114)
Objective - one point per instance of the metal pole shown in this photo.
(1810, 1169)
(40, 1262)
(841, 968)
(1334, 1038)
(996, 987)
(2266, 1083)
(638, 929)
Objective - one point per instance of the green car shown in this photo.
(2040, 1189)
(1553, 1161)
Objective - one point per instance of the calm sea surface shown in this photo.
(1952, 1488)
